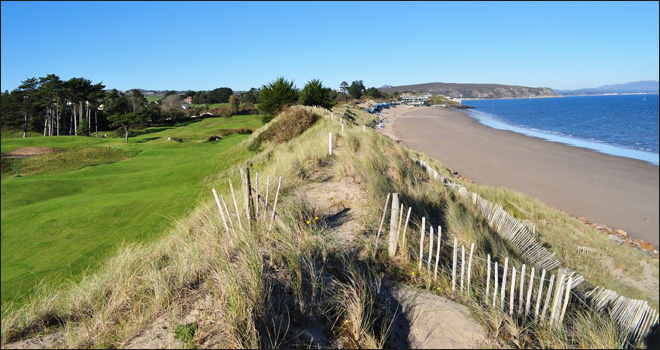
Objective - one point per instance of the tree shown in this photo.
(219, 95)
(251, 96)
(137, 100)
(373, 92)
(169, 92)
(356, 89)
(27, 95)
(121, 112)
(126, 120)
(234, 104)
(171, 107)
(277, 95)
(10, 116)
(314, 94)
(343, 87)
(199, 98)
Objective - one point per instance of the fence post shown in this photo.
(222, 215)
(428, 263)
(248, 204)
(496, 285)
(330, 143)
(469, 268)
(437, 253)
(453, 270)
(398, 227)
(513, 289)
(256, 195)
(522, 288)
(233, 197)
(382, 220)
(404, 240)
(566, 298)
(503, 291)
(538, 298)
(547, 297)
(421, 244)
(277, 194)
(267, 188)
(529, 291)
(391, 246)
(462, 266)
(224, 204)
(556, 302)
(487, 279)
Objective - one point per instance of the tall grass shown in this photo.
(265, 288)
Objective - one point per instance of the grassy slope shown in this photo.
(148, 280)
(55, 225)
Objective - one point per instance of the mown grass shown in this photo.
(210, 105)
(261, 288)
(62, 161)
(58, 218)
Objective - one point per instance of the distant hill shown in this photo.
(642, 86)
(485, 91)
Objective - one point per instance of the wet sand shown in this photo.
(619, 192)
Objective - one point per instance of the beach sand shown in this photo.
(619, 192)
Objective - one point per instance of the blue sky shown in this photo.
(205, 45)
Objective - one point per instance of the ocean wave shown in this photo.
(640, 153)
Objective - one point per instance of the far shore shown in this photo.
(621, 193)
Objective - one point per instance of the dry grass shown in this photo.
(267, 287)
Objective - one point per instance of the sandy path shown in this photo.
(615, 191)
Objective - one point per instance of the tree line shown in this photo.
(53, 107)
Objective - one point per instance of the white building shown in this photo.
(415, 100)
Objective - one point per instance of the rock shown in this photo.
(621, 232)
(646, 246)
(582, 218)
(616, 239)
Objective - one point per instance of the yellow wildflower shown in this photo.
(307, 222)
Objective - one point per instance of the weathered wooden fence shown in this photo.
(258, 209)
(552, 295)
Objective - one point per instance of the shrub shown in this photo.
(292, 123)
(277, 95)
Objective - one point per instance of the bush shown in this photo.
(276, 96)
(292, 123)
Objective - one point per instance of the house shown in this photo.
(414, 100)
(188, 99)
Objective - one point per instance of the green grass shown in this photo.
(210, 106)
(152, 98)
(55, 224)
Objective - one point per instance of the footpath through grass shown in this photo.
(57, 224)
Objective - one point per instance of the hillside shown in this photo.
(324, 259)
(644, 86)
(484, 91)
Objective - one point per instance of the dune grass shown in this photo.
(61, 216)
(261, 288)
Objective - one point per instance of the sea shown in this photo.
(620, 125)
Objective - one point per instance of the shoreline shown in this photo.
(619, 192)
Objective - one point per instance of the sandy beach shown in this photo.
(619, 192)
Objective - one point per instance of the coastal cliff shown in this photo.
(485, 91)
